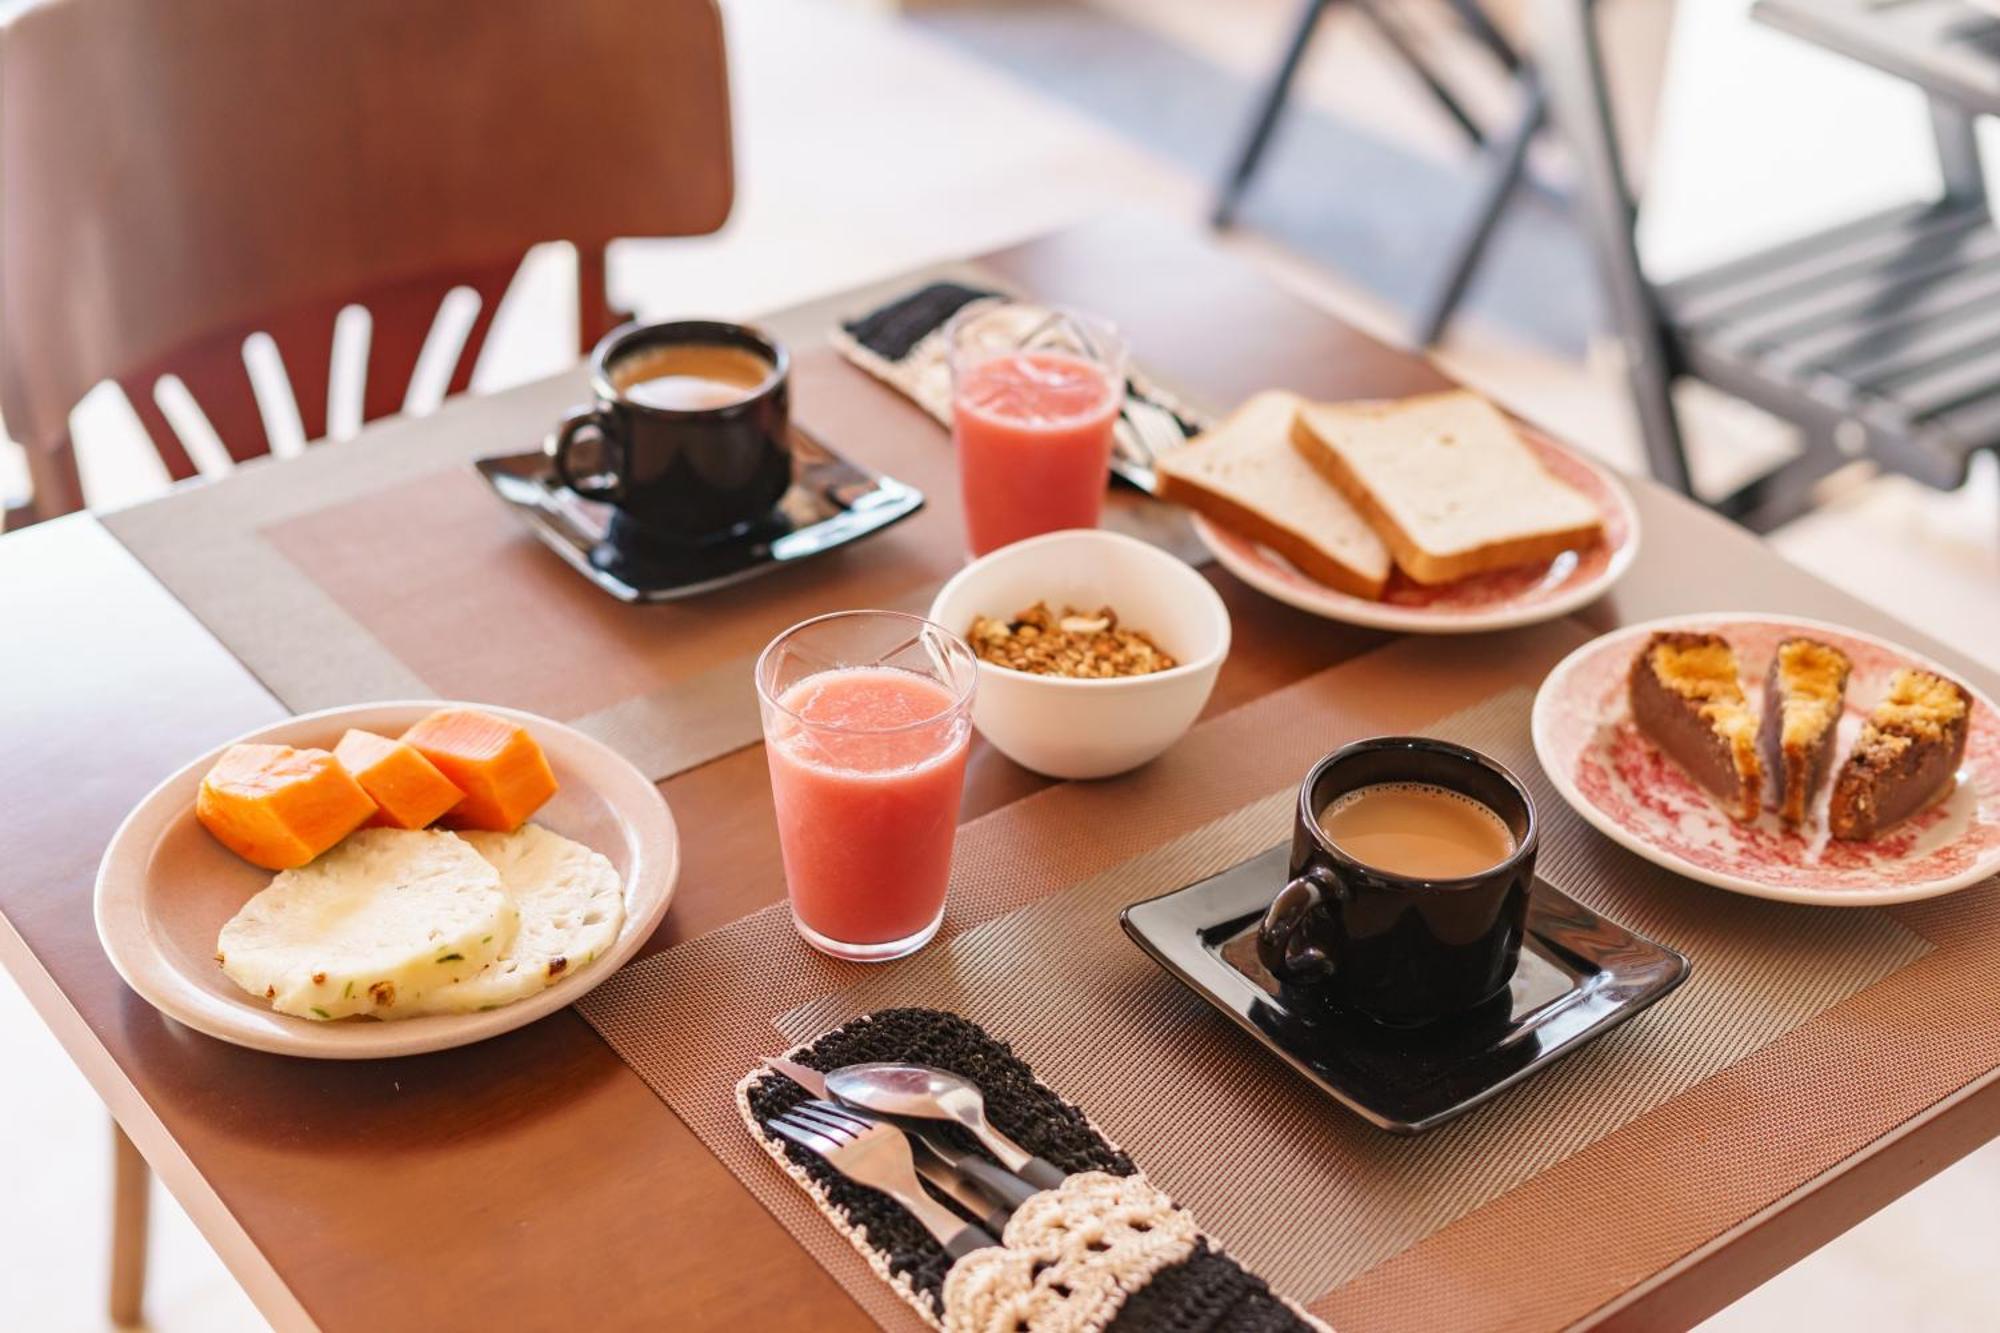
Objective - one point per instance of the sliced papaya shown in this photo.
(407, 788)
(278, 807)
(497, 764)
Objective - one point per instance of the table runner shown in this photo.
(383, 568)
(692, 1020)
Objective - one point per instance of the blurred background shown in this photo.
(872, 137)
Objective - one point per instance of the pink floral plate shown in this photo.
(1619, 781)
(1503, 599)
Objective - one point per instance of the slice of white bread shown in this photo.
(1246, 475)
(1446, 482)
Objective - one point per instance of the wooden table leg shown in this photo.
(57, 484)
(131, 1186)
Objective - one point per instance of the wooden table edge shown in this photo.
(176, 1170)
(1729, 1266)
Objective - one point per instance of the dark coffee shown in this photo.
(1417, 829)
(1417, 912)
(689, 377)
(689, 440)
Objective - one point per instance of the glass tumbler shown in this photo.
(867, 720)
(1035, 397)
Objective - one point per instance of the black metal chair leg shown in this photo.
(1480, 24)
(1268, 109)
(1958, 153)
(1505, 166)
(1572, 67)
(1411, 56)
(1791, 489)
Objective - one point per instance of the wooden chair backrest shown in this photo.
(177, 174)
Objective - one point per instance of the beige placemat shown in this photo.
(382, 567)
(692, 1020)
(1194, 1100)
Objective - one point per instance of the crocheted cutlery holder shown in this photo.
(903, 344)
(1104, 1251)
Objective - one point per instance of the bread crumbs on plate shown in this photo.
(1086, 645)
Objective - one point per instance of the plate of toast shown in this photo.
(1429, 515)
(1781, 758)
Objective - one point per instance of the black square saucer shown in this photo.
(1580, 976)
(832, 502)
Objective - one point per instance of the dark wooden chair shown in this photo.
(176, 175)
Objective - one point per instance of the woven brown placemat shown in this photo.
(1118, 1036)
(693, 1020)
(1195, 1101)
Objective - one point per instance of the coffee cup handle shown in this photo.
(1282, 937)
(588, 423)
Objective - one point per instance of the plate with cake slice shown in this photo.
(1781, 758)
(1428, 515)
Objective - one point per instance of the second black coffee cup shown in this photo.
(688, 439)
(1411, 864)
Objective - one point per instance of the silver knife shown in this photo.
(995, 1181)
(938, 1174)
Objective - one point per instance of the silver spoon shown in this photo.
(923, 1093)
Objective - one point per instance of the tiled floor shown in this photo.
(944, 155)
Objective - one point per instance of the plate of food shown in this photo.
(386, 879)
(1781, 758)
(1429, 515)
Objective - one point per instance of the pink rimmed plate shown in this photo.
(1619, 781)
(1503, 599)
(165, 887)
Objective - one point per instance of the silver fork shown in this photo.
(878, 1156)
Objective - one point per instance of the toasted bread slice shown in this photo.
(1446, 482)
(1246, 475)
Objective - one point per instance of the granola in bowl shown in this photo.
(1093, 719)
(1085, 645)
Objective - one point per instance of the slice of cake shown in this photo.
(1687, 698)
(1906, 758)
(1802, 698)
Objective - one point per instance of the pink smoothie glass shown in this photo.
(1035, 397)
(867, 719)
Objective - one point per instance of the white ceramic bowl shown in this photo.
(1068, 728)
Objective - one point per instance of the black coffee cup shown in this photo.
(1398, 949)
(682, 475)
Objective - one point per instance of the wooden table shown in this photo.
(534, 1179)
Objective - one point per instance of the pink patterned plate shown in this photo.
(1619, 781)
(1501, 600)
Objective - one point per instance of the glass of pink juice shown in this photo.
(867, 719)
(1035, 398)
